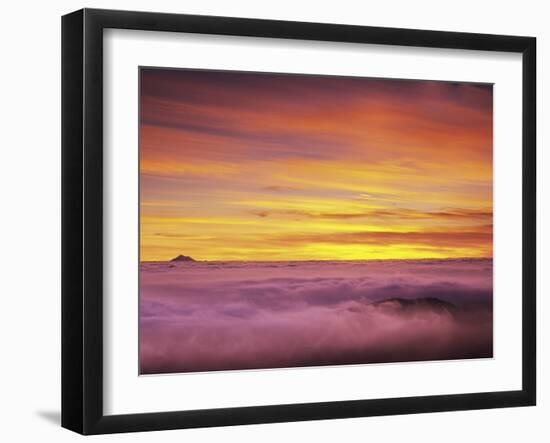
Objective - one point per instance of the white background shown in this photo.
(30, 220)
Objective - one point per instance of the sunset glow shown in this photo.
(251, 166)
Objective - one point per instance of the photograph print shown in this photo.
(296, 220)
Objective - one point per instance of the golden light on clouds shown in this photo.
(244, 166)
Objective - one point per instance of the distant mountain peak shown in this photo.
(182, 258)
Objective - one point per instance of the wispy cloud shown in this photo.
(278, 155)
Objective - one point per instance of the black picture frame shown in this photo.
(82, 218)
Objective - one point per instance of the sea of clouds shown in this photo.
(204, 316)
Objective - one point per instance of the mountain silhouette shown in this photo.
(181, 258)
(416, 305)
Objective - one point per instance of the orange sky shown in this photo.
(247, 166)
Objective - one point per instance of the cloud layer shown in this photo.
(235, 315)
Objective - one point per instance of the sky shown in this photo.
(256, 166)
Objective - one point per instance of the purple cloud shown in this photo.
(218, 316)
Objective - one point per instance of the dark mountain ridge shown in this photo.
(181, 258)
(417, 305)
